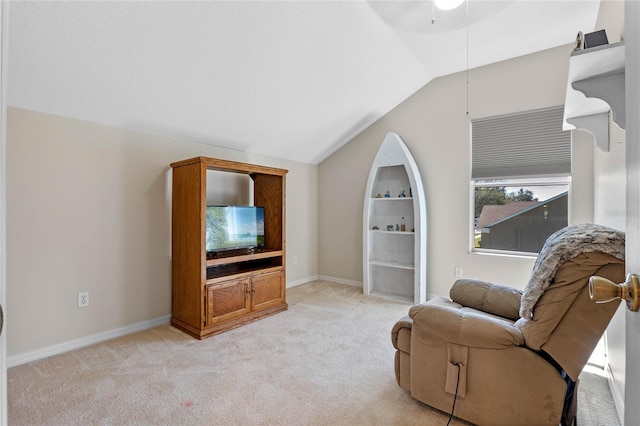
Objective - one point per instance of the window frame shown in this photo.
(530, 133)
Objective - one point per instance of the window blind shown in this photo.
(531, 143)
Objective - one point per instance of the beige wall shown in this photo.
(434, 125)
(89, 210)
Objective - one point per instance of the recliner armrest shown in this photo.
(403, 323)
(466, 326)
(487, 297)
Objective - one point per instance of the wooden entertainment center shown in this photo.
(215, 294)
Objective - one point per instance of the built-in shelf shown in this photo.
(393, 232)
(394, 260)
(594, 88)
(399, 265)
(392, 199)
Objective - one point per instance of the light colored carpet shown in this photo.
(595, 402)
(328, 360)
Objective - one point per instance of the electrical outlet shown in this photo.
(458, 272)
(83, 299)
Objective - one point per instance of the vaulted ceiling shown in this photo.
(290, 79)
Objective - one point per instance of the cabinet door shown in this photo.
(227, 300)
(268, 290)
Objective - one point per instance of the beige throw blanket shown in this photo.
(563, 245)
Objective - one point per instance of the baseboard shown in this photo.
(306, 280)
(23, 358)
(313, 278)
(618, 401)
(60, 348)
(340, 280)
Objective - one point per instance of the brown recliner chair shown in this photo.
(512, 357)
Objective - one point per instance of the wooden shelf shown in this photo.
(224, 259)
(230, 166)
(242, 273)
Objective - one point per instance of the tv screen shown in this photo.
(234, 227)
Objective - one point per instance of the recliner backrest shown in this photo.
(566, 324)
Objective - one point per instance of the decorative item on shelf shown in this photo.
(387, 194)
(378, 195)
(410, 193)
(579, 41)
(397, 227)
(402, 194)
(402, 225)
(596, 38)
(375, 228)
(389, 227)
(413, 229)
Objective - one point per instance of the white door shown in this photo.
(632, 83)
(3, 206)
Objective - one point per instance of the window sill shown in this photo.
(504, 253)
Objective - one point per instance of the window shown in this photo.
(520, 173)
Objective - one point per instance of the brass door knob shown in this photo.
(602, 290)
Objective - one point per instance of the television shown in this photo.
(234, 227)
